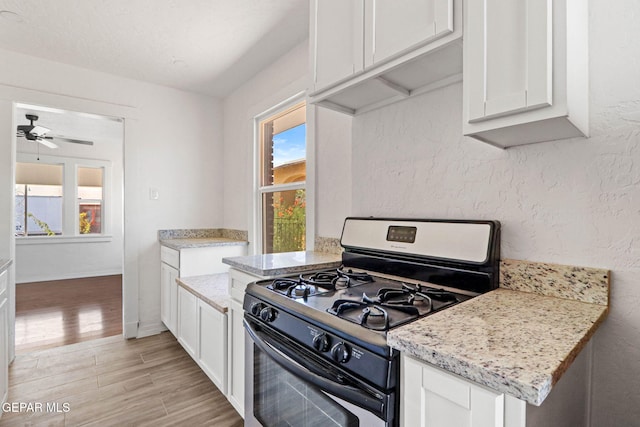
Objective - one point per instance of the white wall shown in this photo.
(570, 202)
(284, 78)
(173, 142)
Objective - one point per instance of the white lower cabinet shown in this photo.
(169, 297)
(238, 281)
(202, 332)
(188, 321)
(434, 398)
(212, 336)
(235, 388)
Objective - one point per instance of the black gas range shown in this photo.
(327, 329)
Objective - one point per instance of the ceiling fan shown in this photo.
(39, 134)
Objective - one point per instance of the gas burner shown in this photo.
(372, 314)
(293, 288)
(431, 293)
(321, 279)
(360, 276)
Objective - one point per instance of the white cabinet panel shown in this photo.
(236, 356)
(525, 70)
(434, 398)
(169, 297)
(212, 337)
(394, 28)
(4, 347)
(337, 37)
(188, 321)
(512, 67)
(370, 53)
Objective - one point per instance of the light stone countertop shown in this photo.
(201, 242)
(284, 263)
(211, 288)
(4, 264)
(512, 341)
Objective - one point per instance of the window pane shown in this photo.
(90, 183)
(284, 147)
(38, 199)
(284, 221)
(289, 155)
(90, 215)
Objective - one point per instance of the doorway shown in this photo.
(69, 233)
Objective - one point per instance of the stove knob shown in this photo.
(341, 352)
(256, 308)
(321, 342)
(268, 314)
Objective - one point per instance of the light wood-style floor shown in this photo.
(54, 313)
(115, 382)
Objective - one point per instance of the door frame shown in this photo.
(9, 96)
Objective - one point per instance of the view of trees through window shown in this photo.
(283, 172)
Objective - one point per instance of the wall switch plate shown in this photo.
(153, 194)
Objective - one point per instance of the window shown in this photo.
(60, 196)
(282, 184)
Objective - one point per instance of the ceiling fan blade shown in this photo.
(74, 141)
(47, 143)
(39, 130)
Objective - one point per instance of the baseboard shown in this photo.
(148, 329)
(78, 275)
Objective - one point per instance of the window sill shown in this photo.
(62, 239)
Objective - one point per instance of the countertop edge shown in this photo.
(281, 270)
(198, 243)
(215, 304)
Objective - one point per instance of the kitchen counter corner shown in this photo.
(513, 342)
(284, 263)
(211, 288)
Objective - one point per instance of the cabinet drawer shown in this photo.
(238, 281)
(170, 256)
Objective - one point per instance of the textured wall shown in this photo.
(572, 202)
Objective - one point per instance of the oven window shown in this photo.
(282, 399)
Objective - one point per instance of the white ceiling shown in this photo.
(204, 46)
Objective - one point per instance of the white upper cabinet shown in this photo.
(337, 53)
(370, 53)
(396, 27)
(525, 70)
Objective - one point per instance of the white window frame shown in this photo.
(70, 202)
(308, 185)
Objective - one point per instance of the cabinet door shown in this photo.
(4, 350)
(236, 356)
(169, 297)
(434, 398)
(212, 336)
(392, 27)
(337, 40)
(188, 321)
(508, 57)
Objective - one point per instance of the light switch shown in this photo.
(153, 194)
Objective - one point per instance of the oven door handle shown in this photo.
(337, 386)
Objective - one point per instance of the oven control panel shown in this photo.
(319, 341)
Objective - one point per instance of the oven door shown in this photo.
(285, 387)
